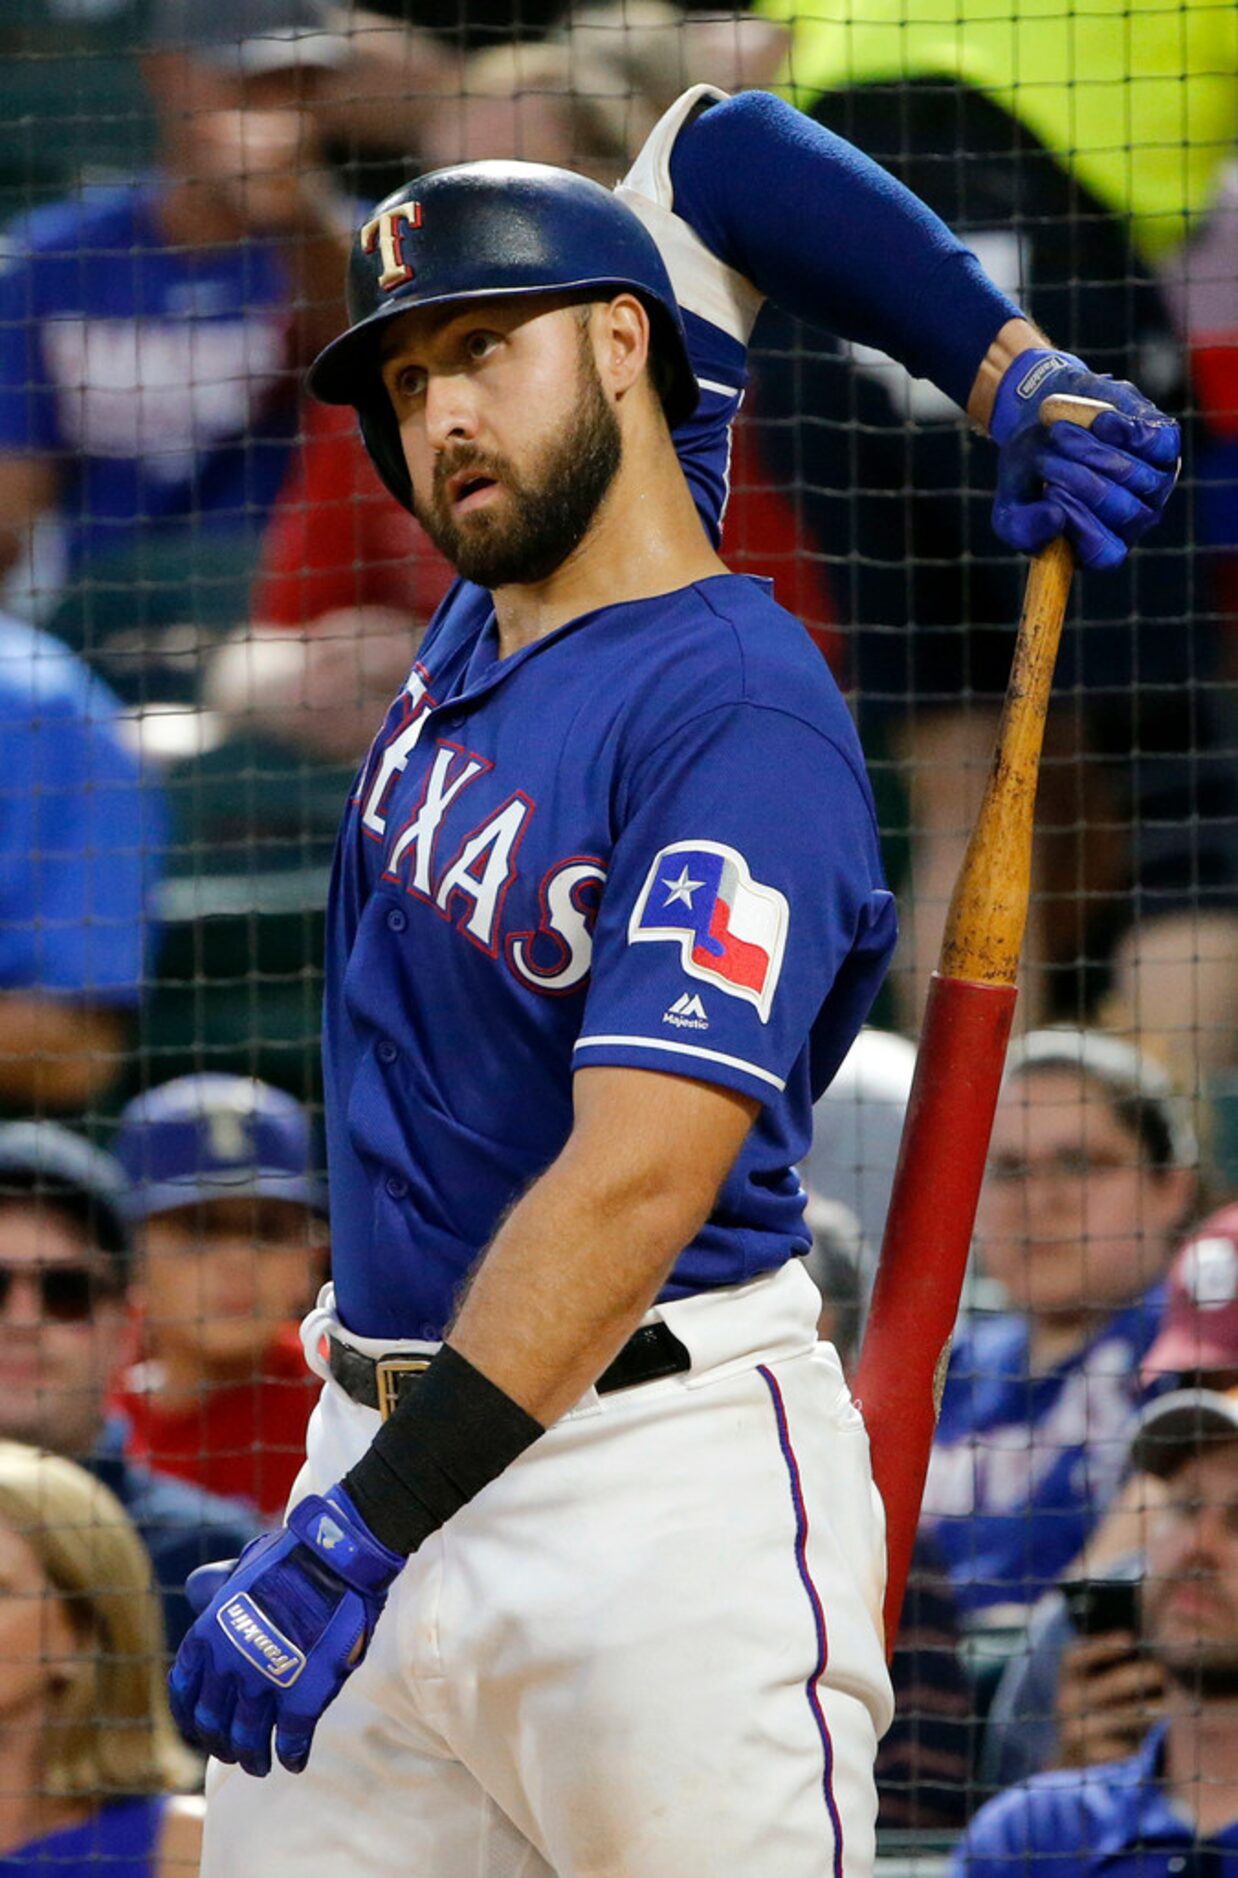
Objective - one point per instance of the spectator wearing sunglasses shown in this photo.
(65, 1330)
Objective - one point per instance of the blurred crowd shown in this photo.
(207, 600)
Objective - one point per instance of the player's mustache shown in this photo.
(470, 462)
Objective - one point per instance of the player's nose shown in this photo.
(450, 409)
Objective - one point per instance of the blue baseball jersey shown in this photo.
(82, 829)
(645, 841)
(159, 380)
(1023, 1466)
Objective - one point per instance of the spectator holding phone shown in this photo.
(1091, 1177)
(1083, 1692)
(1109, 1689)
(1172, 1806)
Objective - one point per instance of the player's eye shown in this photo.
(408, 381)
(480, 344)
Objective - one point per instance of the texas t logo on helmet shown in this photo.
(488, 231)
(384, 232)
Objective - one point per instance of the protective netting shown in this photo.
(209, 602)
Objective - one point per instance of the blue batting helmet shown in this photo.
(478, 231)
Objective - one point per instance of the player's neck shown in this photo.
(646, 539)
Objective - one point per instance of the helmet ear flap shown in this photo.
(381, 436)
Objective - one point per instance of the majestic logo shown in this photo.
(259, 1641)
(731, 929)
(386, 231)
(686, 1013)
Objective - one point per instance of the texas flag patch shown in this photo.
(731, 929)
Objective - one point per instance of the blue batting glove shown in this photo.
(1102, 488)
(201, 1585)
(279, 1633)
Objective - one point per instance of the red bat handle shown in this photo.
(958, 1074)
(932, 1208)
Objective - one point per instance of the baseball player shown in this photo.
(607, 912)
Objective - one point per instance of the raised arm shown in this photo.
(751, 200)
(812, 223)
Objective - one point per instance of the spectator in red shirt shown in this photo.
(346, 588)
(232, 1233)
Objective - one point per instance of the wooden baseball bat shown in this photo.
(962, 1053)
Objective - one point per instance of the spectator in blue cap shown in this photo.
(230, 1214)
(64, 1331)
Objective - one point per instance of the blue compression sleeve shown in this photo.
(831, 237)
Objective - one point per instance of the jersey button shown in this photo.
(397, 919)
(396, 1187)
(387, 1051)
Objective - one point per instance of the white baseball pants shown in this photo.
(650, 1649)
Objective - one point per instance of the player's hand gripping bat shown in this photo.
(958, 1073)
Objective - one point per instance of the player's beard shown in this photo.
(547, 513)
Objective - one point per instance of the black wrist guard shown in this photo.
(449, 1437)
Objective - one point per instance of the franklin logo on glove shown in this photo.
(1034, 381)
(266, 1647)
(221, 1683)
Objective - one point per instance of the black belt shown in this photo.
(380, 1382)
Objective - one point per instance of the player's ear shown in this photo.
(622, 344)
